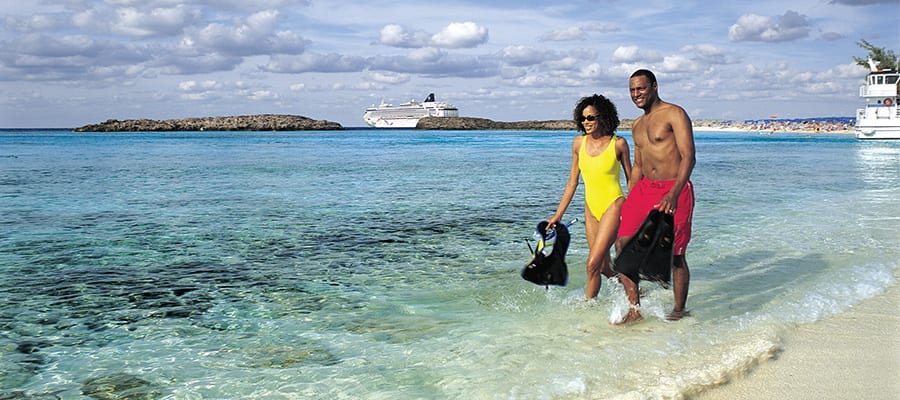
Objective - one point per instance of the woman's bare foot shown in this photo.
(634, 315)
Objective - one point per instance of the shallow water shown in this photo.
(384, 265)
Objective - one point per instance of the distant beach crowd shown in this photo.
(806, 125)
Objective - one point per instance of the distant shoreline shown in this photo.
(805, 126)
(697, 128)
(272, 122)
(703, 128)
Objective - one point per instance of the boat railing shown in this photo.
(878, 90)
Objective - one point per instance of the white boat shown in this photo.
(406, 115)
(881, 117)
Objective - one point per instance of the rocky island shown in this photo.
(468, 123)
(263, 122)
(284, 122)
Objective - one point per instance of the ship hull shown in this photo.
(877, 132)
(392, 123)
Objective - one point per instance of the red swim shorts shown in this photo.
(644, 196)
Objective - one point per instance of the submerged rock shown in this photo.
(120, 386)
(262, 122)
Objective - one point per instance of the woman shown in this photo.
(597, 155)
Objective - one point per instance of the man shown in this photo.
(660, 178)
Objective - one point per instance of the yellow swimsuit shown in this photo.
(601, 177)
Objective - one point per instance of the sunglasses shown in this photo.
(588, 117)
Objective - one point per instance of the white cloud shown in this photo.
(522, 55)
(678, 64)
(256, 35)
(591, 71)
(567, 63)
(156, 22)
(390, 77)
(631, 54)
(758, 28)
(602, 27)
(312, 62)
(193, 86)
(429, 54)
(710, 54)
(261, 95)
(461, 35)
(398, 36)
(454, 36)
(34, 23)
(433, 62)
(579, 32)
(566, 34)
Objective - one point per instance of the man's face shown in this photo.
(642, 91)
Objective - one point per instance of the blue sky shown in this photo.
(67, 63)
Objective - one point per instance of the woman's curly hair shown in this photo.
(609, 117)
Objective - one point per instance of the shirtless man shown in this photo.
(660, 178)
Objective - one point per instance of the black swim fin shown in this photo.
(658, 265)
(648, 255)
(549, 269)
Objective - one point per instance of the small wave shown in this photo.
(699, 374)
(837, 291)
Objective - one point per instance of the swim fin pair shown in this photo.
(549, 269)
(648, 254)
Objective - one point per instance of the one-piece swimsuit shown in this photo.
(601, 177)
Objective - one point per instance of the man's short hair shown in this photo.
(647, 73)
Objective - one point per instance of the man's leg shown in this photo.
(681, 281)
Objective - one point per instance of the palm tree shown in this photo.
(879, 56)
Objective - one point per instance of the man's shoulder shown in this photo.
(638, 120)
(672, 113)
(671, 108)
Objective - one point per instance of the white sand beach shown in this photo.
(853, 355)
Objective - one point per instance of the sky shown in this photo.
(69, 63)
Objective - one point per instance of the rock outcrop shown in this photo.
(469, 123)
(263, 122)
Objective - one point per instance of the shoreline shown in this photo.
(704, 128)
(854, 354)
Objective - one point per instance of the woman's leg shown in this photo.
(591, 228)
(601, 235)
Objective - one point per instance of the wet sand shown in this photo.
(853, 355)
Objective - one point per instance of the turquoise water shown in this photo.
(384, 265)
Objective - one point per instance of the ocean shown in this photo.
(372, 264)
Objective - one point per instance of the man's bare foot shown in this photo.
(677, 315)
(634, 315)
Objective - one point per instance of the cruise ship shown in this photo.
(406, 115)
(881, 117)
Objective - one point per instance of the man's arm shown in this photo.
(637, 170)
(684, 142)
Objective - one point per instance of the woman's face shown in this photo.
(590, 127)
